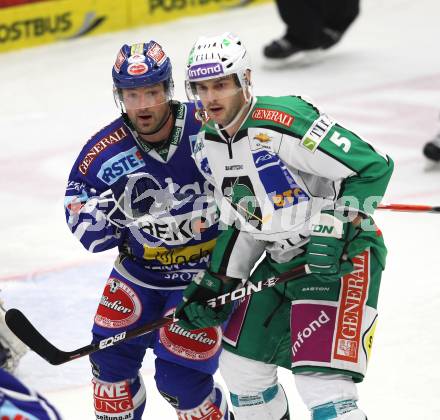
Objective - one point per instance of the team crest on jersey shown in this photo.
(120, 305)
(240, 193)
(193, 345)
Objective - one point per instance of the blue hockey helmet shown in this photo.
(140, 65)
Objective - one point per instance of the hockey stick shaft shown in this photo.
(418, 208)
(26, 332)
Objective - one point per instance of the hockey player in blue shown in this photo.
(19, 402)
(134, 186)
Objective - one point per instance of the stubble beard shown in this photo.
(231, 114)
(154, 124)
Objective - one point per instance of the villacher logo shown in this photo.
(120, 305)
(193, 345)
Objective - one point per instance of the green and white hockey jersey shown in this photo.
(284, 165)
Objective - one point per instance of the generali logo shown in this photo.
(101, 145)
(353, 296)
(273, 115)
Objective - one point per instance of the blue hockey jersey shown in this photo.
(181, 239)
(19, 402)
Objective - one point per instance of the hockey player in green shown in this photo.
(297, 187)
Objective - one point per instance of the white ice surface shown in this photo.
(382, 80)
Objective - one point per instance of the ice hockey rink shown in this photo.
(382, 81)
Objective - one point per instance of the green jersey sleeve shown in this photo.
(318, 145)
(370, 169)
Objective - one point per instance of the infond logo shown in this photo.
(308, 331)
(205, 70)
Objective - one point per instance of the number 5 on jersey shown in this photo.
(341, 141)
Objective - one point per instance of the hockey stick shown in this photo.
(410, 208)
(26, 332)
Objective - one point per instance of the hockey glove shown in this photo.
(326, 250)
(192, 312)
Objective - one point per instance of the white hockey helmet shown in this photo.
(217, 56)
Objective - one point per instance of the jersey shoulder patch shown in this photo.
(273, 110)
(316, 132)
(291, 115)
(100, 142)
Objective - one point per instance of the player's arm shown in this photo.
(327, 149)
(87, 214)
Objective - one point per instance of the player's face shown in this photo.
(147, 107)
(221, 98)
